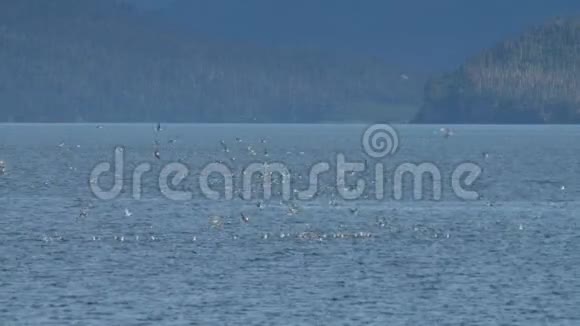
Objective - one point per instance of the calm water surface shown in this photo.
(67, 258)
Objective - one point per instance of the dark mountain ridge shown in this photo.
(71, 60)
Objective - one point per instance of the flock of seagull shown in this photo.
(291, 207)
(217, 221)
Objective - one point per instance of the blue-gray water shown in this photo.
(510, 258)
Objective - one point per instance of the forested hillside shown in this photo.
(533, 79)
(91, 60)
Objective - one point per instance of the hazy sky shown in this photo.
(415, 32)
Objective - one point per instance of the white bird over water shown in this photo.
(446, 132)
(216, 222)
(128, 213)
(224, 146)
(84, 213)
(292, 210)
